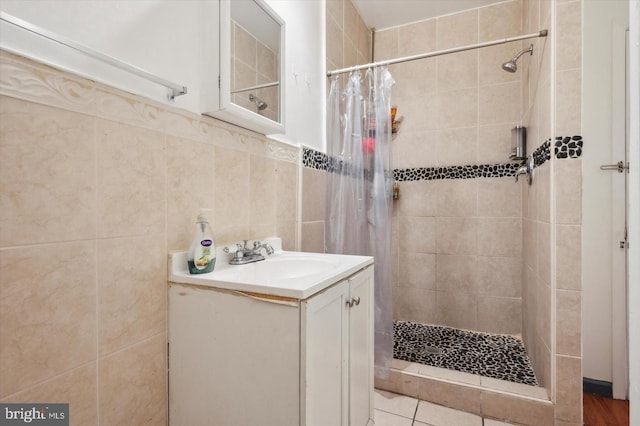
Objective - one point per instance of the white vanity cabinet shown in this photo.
(244, 358)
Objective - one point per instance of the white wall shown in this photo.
(305, 71)
(163, 37)
(597, 215)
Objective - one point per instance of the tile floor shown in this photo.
(398, 410)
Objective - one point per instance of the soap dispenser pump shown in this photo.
(202, 253)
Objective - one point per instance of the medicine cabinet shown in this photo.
(249, 76)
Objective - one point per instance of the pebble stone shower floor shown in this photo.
(489, 355)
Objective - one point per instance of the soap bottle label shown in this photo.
(202, 254)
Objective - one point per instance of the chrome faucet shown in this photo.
(244, 254)
(526, 169)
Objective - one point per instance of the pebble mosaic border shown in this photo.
(564, 147)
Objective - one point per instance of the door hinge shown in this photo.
(624, 244)
(218, 82)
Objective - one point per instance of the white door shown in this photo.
(619, 244)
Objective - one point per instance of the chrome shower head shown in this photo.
(260, 104)
(510, 66)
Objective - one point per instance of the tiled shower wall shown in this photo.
(458, 242)
(348, 43)
(96, 186)
(552, 209)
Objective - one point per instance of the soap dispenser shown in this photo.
(202, 253)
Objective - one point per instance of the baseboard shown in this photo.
(597, 387)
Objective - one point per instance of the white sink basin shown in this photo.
(296, 275)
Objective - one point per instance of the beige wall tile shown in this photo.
(350, 53)
(450, 395)
(543, 314)
(364, 42)
(351, 20)
(131, 291)
(416, 149)
(457, 310)
(77, 388)
(313, 194)
(569, 102)
(499, 197)
(47, 312)
(530, 243)
(418, 198)
(417, 270)
(133, 384)
(499, 276)
(456, 30)
(312, 238)
(245, 46)
(457, 146)
(456, 235)
(457, 197)
(544, 252)
(418, 114)
(267, 64)
(543, 188)
(417, 234)
(414, 79)
(569, 257)
(286, 191)
(131, 180)
(568, 322)
(189, 188)
(414, 304)
(501, 315)
(335, 8)
(47, 174)
(456, 273)
(231, 194)
(494, 143)
(397, 382)
(490, 60)
(499, 103)
(458, 108)
(501, 20)
(569, 389)
(417, 38)
(334, 42)
(542, 367)
(502, 407)
(386, 44)
(262, 191)
(568, 185)
(569, 35)
(458, 70)
(500, 237)
(288, 232)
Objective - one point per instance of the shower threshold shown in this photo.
(495, 356)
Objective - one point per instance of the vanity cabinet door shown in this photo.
(361, 348)
(324, 339)
(337, 354)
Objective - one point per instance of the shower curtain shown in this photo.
(359, 187)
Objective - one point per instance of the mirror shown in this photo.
(251, 89)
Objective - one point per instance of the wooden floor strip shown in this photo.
(601, 411)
